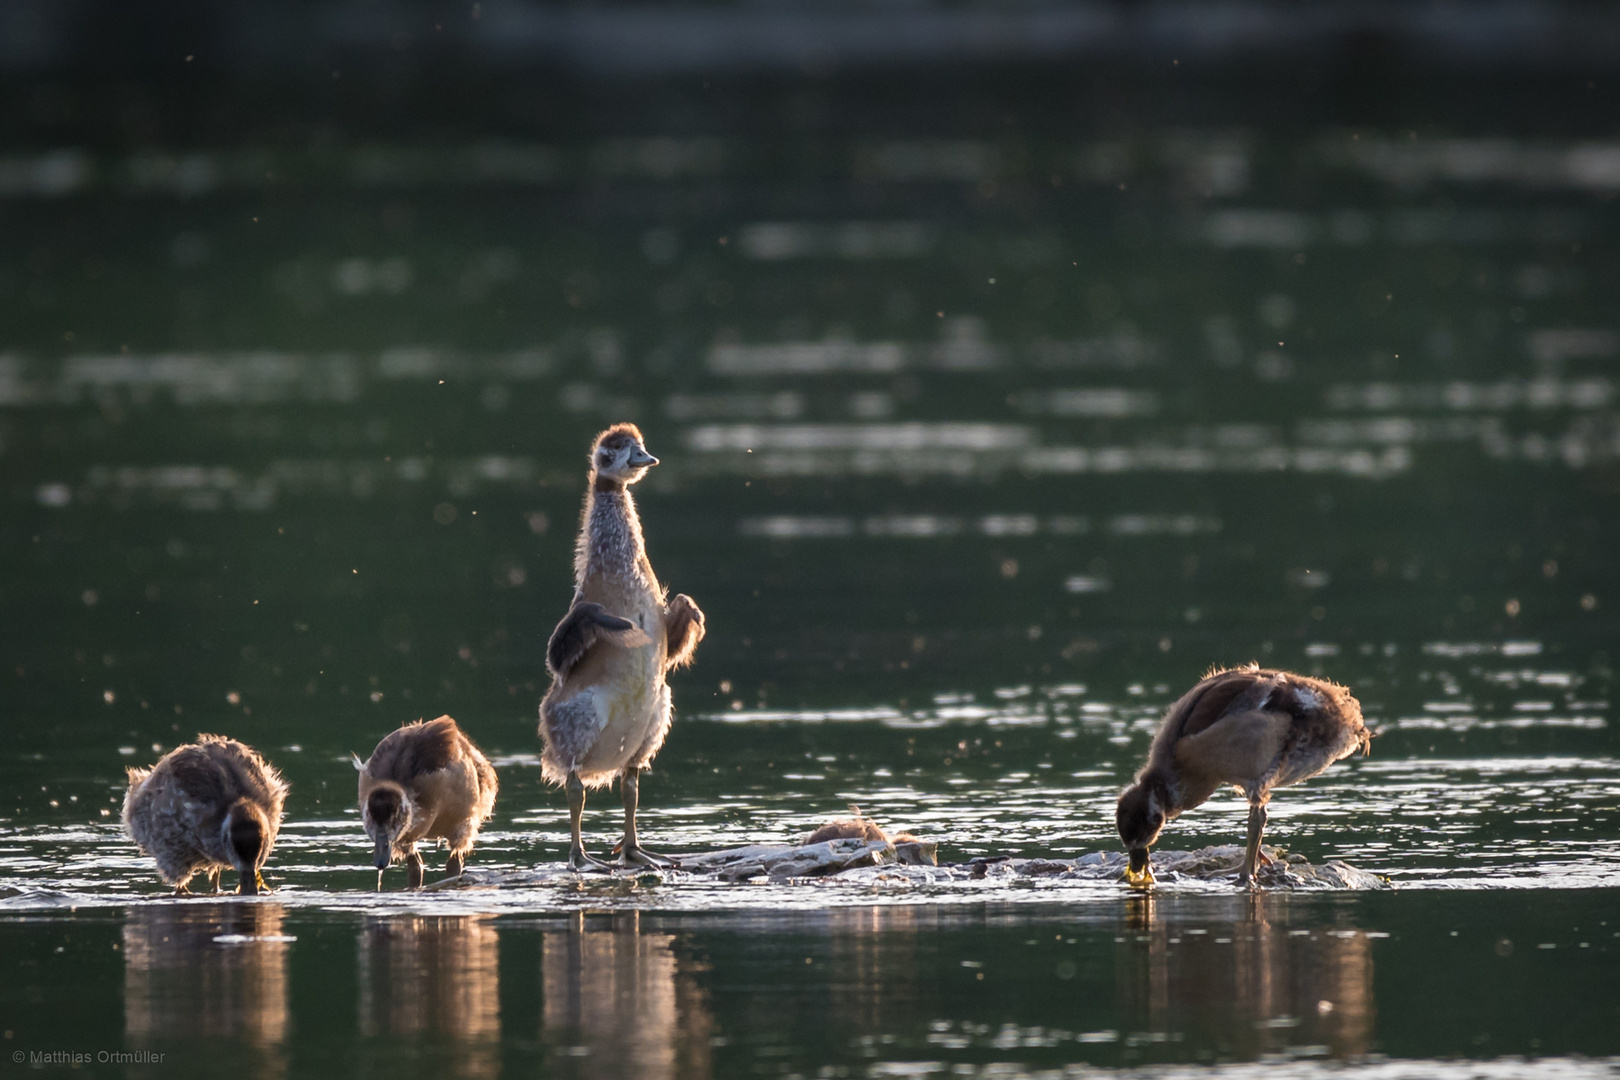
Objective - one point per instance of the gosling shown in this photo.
(907, 848)
(608, 708)
(858, 827)
(203, 807)
(1254, 728)
(424, 782)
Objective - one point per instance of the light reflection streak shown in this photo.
(434, 976)
(209, 970)
(1250, 985)
(620, 1001)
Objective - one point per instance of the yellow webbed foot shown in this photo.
(1142, 880)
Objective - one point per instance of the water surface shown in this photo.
(991, 418)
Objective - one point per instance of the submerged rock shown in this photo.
(874, 863)
(871, 862)
(821, 859)
(1222, 862)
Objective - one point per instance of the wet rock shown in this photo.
(1213, 865)
(828, 857)
(871, 863)
(1222, 862)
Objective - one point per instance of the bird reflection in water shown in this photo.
(621, 1001)
(1250, 985)
(198, 971)
(434, 980)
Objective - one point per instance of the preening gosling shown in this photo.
(608, 708)
(425, 782)
(1252, 727)
(205, 806)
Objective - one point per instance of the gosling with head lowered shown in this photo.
(1252, 727)
(608, 708)
(206, 806)
(425, 782)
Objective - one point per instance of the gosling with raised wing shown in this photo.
(608, 708)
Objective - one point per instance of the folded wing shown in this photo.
(586, 625)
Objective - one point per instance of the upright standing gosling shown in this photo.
(205, 806)
(608, 708)
(425, 782)
(1256, 728)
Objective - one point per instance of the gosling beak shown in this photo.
(640, 457)
(252, 884)
(382, 857)
(1138, 874)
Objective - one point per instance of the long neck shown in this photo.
(1161, 782)
(610, 542)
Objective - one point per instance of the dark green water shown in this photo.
(992, 414)
(874, 991)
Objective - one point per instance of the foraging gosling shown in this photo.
(205, 806)
(608, 708)
(424, 782)
(1255, 728)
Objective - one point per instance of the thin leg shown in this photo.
(577, 859)
(632, 853)
(213, 880)
(455, 865)
(413, 869)
(1257, 826)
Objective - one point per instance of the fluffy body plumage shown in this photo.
(608, 709)
(425, 781)
(205, 806)
(1255, 728)
(858, 827)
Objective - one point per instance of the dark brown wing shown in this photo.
(586, 624)
(1220, 694)
(684, 628)
(199, 775)
(245, 771)
(415, 749)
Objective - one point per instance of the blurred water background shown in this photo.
(1010, 365)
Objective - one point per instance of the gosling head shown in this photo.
(619, 457)
(387, 813)
(1140, 817)
(245, 833)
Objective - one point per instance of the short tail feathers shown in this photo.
(136, 776)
